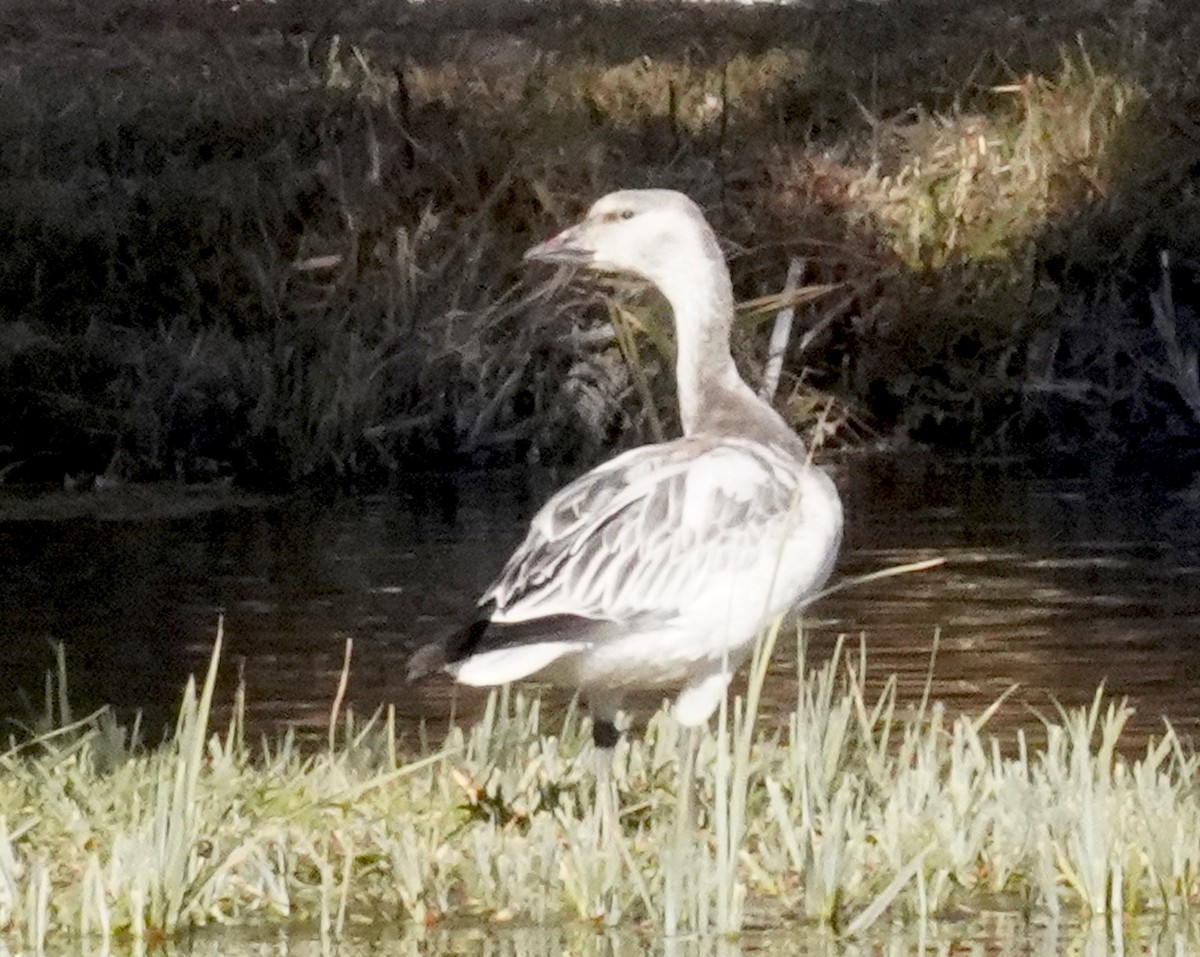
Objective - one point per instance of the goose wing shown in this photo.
(638, 539)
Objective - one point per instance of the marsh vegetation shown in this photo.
(278, 241)
(856, 813)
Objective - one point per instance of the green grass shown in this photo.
(279, 241)
(854, 815)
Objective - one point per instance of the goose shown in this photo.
(658, 569)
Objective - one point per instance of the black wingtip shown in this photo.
(437, 655)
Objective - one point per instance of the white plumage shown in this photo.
(660, 568)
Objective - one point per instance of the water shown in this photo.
(1055, 584)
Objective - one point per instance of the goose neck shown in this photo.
(704, 366)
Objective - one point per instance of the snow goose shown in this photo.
(658, 569)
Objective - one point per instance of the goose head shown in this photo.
(661, 236)
(656, 234)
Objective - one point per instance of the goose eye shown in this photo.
(627, 214)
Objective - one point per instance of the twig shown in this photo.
(782, 332)
(340, 694)
(889, 572)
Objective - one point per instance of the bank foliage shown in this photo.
(279, 241)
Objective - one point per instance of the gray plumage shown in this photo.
(659, 568)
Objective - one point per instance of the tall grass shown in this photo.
(279, 242)
(859, 813)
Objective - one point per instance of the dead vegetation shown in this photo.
(279, 241)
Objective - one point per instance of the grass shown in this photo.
(279, 241)
(854, 816)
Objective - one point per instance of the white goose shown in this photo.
(659, 568)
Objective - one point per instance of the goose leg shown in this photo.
(605, 736)
(696, 703)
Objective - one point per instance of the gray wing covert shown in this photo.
(639, 537)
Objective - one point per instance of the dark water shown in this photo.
(1057, 584)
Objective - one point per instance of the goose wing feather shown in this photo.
(636, 540)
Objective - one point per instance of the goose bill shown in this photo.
(566, 247)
